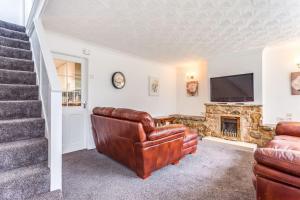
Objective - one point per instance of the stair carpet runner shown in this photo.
(24, 173)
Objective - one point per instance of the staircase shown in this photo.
(24, 173)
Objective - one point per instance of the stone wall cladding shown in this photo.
(193, 122)
(251, 128)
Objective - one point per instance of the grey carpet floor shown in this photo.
(214, 172)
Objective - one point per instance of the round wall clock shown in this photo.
(118, 80)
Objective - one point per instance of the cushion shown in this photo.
(103, 111)
(288, 128)
(284, 145)
(165, 131)
(287, 137)
(136, 116)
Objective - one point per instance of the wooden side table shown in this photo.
(163, 120)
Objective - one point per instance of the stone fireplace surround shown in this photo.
(249, 117)
(249, 122)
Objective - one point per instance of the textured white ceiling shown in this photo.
(176, 30)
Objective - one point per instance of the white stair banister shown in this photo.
(50, 92)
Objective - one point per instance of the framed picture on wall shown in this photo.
(295, 83)
(153, 86)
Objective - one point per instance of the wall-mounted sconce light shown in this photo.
(190, 77)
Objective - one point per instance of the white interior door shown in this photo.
(72, 75)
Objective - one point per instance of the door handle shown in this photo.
(84, 104)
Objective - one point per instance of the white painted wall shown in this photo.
(27, 9)
(278, 63)
(239, 63)
(12, 11)
(192, 105)
(271, 69)
(102, 63)
(219, 65)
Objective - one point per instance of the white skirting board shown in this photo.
(244, 146)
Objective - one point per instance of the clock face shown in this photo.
(118, 80)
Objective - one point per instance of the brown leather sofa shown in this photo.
(131, 138)
(277, 167)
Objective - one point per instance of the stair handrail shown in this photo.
(47, 55)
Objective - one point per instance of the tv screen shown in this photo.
(236, 88)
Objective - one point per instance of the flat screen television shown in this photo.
(236, 88)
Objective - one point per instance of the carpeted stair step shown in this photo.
(54, 195)
(21, 129)
(18, 92)
(13, 34)
(25, 182)
(15, 43)
(16, 64)
(24, 173)
(12, 26)
(15, 53)
(23, 153)
(20, 109)
(17, 77)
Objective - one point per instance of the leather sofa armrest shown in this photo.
(166, 131)
(288, 128)
(274, 175)
(287, 161)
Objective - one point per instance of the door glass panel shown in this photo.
(69, 74)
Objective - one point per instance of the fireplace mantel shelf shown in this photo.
(232, 105)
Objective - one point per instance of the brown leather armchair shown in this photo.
(277, 167)
(131, 138)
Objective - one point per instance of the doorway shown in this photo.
(71, 73)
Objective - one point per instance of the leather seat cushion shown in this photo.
(165, 131)
(287, 161)
(287, 137)
(136, 116)
(284, 145)
(103, 111)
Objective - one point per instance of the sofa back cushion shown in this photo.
(103, 111)
(288, 128)
(135, 116)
